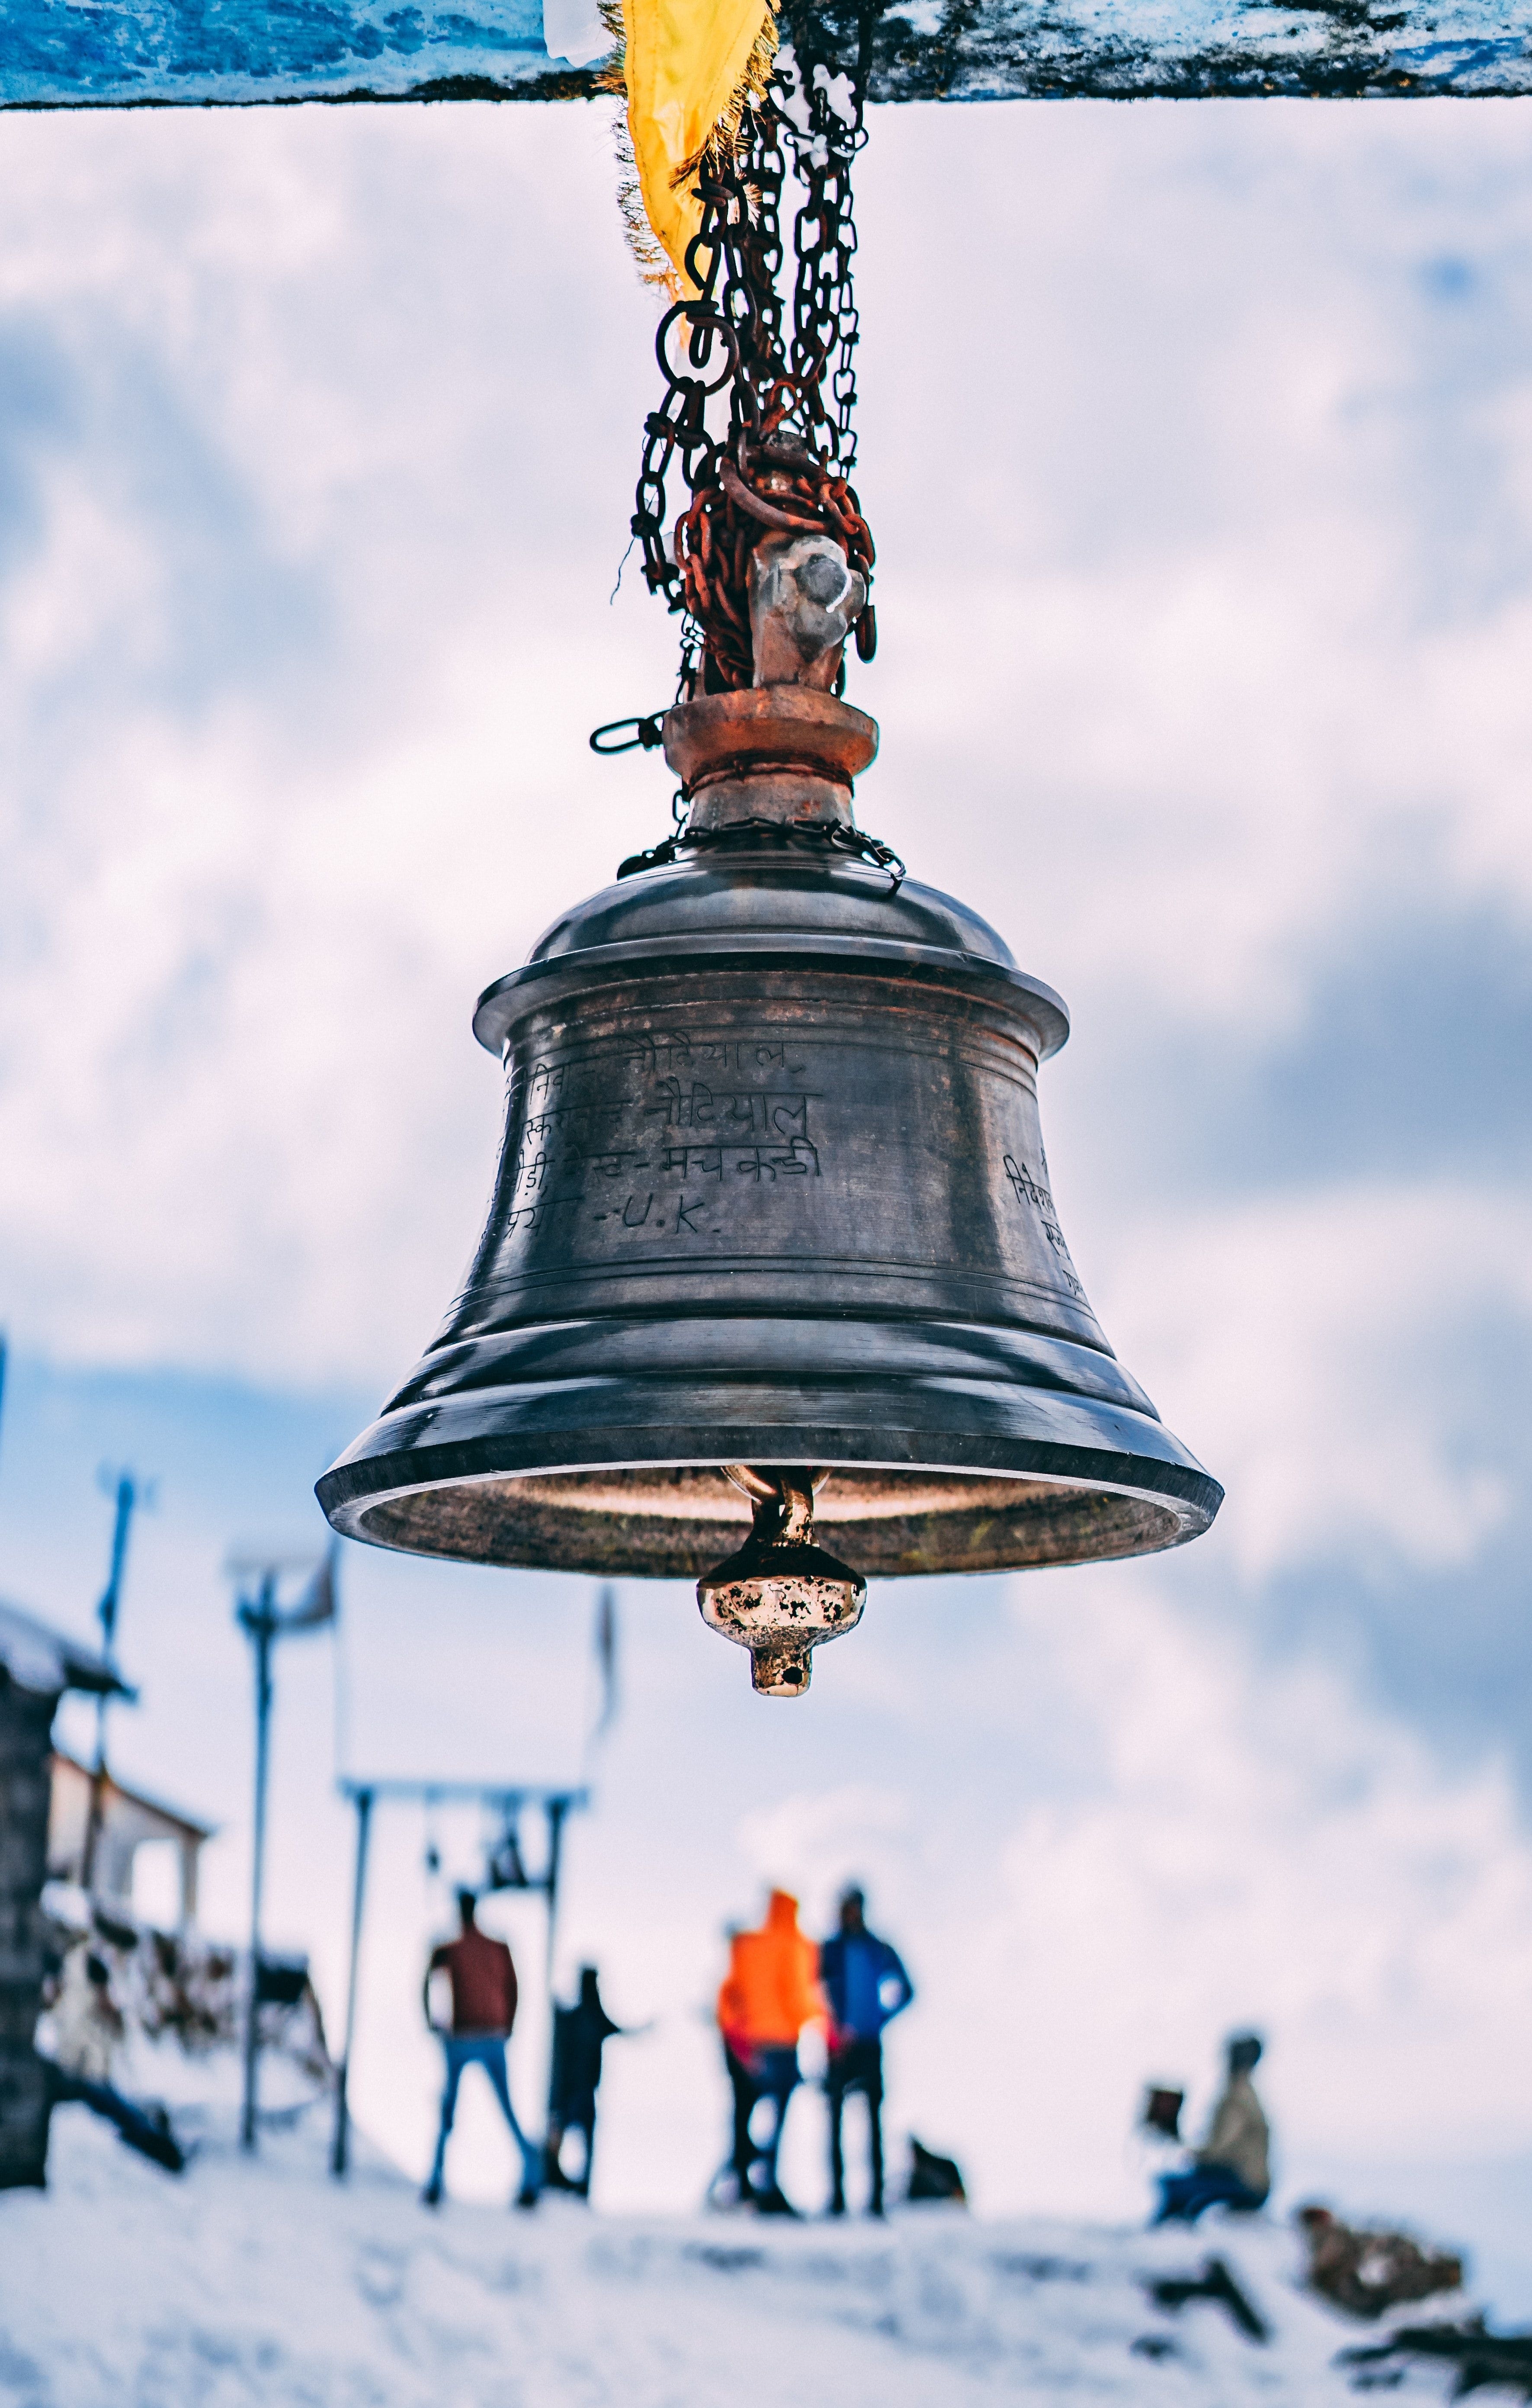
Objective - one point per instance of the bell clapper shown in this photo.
(780, 1595)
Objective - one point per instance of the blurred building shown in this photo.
(37, 1666)
(127, 1820)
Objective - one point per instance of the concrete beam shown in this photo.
(245, 53)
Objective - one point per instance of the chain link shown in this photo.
(774, 835)
(780, 457)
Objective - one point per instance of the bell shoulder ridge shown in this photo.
(733, 903)
(767, 895)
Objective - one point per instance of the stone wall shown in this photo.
(26, 1723)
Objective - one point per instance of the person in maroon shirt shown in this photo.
(483, 1979)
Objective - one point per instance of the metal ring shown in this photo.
(697, 319)
(649, 734)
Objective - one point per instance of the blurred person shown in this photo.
(769, 1994)
(866, 1986)
(580, 2034)
(87, 2021)
(1233, 2167)
(483, 1985)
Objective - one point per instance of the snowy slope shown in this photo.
(267, 2283)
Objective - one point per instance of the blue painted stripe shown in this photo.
(76, 52)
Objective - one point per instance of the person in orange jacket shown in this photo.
(770, 1991)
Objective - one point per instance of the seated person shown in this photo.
(1233, 2167)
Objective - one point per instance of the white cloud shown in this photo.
(1203, 599)
(314, 622)
(1315, 1349)
(1203, 613)
(1211, 612)
(1264, 1853)
(814, 1844)
(311, 622)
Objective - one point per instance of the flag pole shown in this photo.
(263, 1623)
(129, 1494)
(340, 2150)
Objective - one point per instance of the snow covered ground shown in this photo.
(265, 2282)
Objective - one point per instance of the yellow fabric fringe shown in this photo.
(687, 68)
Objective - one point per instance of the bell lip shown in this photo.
(504, 1003)
(1174, 1484)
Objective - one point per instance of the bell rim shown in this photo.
(1171, 1486)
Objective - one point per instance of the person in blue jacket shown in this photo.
(866, 1986)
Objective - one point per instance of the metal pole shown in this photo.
(127, 1496)
(340, 2150)
(262, 1625)
(556, 1807)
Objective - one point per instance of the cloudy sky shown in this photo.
(1197, 442)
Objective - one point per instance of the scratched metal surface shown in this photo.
(138, 53)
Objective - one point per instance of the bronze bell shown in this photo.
(772, 1196)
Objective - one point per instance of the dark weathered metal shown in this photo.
(772, 1192)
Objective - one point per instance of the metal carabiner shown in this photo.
(648, 734)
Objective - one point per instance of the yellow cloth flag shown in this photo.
(688, 67)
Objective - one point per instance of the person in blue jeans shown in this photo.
(483, 1983)
(866, 1987)
(1233, 2167)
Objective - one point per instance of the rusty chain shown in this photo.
(777, 835)
(781, 459)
